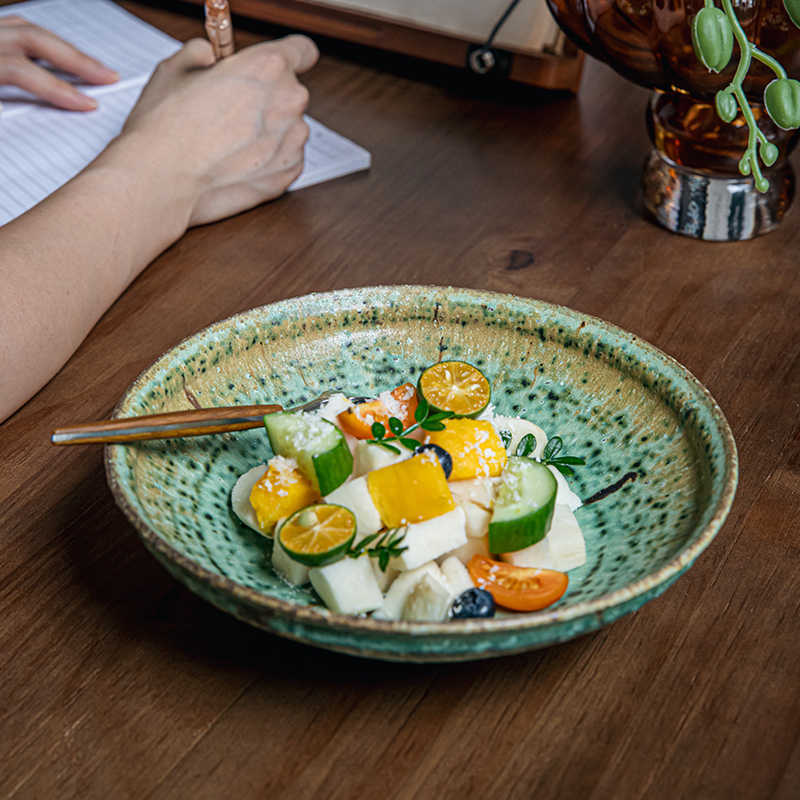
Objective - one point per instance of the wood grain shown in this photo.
(117, 682)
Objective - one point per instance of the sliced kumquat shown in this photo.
(319, 534)
(455, 386)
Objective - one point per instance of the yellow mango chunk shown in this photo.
(476, 449)
(410, 491)
(280, 491)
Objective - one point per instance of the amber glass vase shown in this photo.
(691, 181)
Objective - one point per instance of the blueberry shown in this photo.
(472, 603)
(445, 459)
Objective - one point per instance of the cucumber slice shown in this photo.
(317, 445)
(523, 508)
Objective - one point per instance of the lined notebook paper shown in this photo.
(41, 147)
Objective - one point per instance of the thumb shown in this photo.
(195, 54)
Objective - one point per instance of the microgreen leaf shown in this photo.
(526, 446)
(439, 416)
(358, 549)
(563, 463)
(378, 431)
(566, 471)
(552, 448)
(506, 437)
(431, 426)
(386, 446)
(422, 409)
(576, 460)
(395, 426)
(410, 444)
(383, 546)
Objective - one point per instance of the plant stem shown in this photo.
(746, 52)
(768, 61)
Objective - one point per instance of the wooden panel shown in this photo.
(550, 71)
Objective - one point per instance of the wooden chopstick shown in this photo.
(176, 424)
(197, 422)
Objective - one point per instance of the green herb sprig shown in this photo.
(713, 34)
(550, 454)
(423, 419)
(382, 546)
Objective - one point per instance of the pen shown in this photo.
(219, 27)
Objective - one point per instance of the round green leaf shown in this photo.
(782, 101)
(793, 10)
(769, 153)
(762, 184)
(744, 165)
(727, 107)
(712, 38)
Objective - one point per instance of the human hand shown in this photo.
(21, 41)
(229, 135)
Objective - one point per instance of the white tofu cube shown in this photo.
(428, 601)
(457, 576)
(476, 490)
(537, 555)
(430, 539)
(476, 520)
(369, 457)
(383, 577)
(400, 589)
(355, 496)
(476, 498)
(290, 570)
(471, 548)
(347, 586)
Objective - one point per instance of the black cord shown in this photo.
(500, 22)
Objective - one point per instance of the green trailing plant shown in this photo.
(713, 33)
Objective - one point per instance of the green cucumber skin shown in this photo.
(330, 468)
(517, 534)
(332, 464)
(530, 525)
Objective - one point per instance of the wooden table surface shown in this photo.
(119, 683)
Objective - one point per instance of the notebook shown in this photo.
(41, 148)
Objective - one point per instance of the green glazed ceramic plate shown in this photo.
(614, 399)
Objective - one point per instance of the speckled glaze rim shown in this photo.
(320, 616)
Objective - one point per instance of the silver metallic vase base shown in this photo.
(717, 209)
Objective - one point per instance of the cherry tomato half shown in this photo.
(358, 419)
(517, 588)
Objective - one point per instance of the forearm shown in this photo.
(65, 261)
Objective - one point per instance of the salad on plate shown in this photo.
(420, 504)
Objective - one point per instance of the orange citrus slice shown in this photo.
(319, 534)
(455, 386)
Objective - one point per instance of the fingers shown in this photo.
(37, 42)
(297, 53)
(300, 52)
(19, 71)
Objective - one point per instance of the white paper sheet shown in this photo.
(41, 148)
